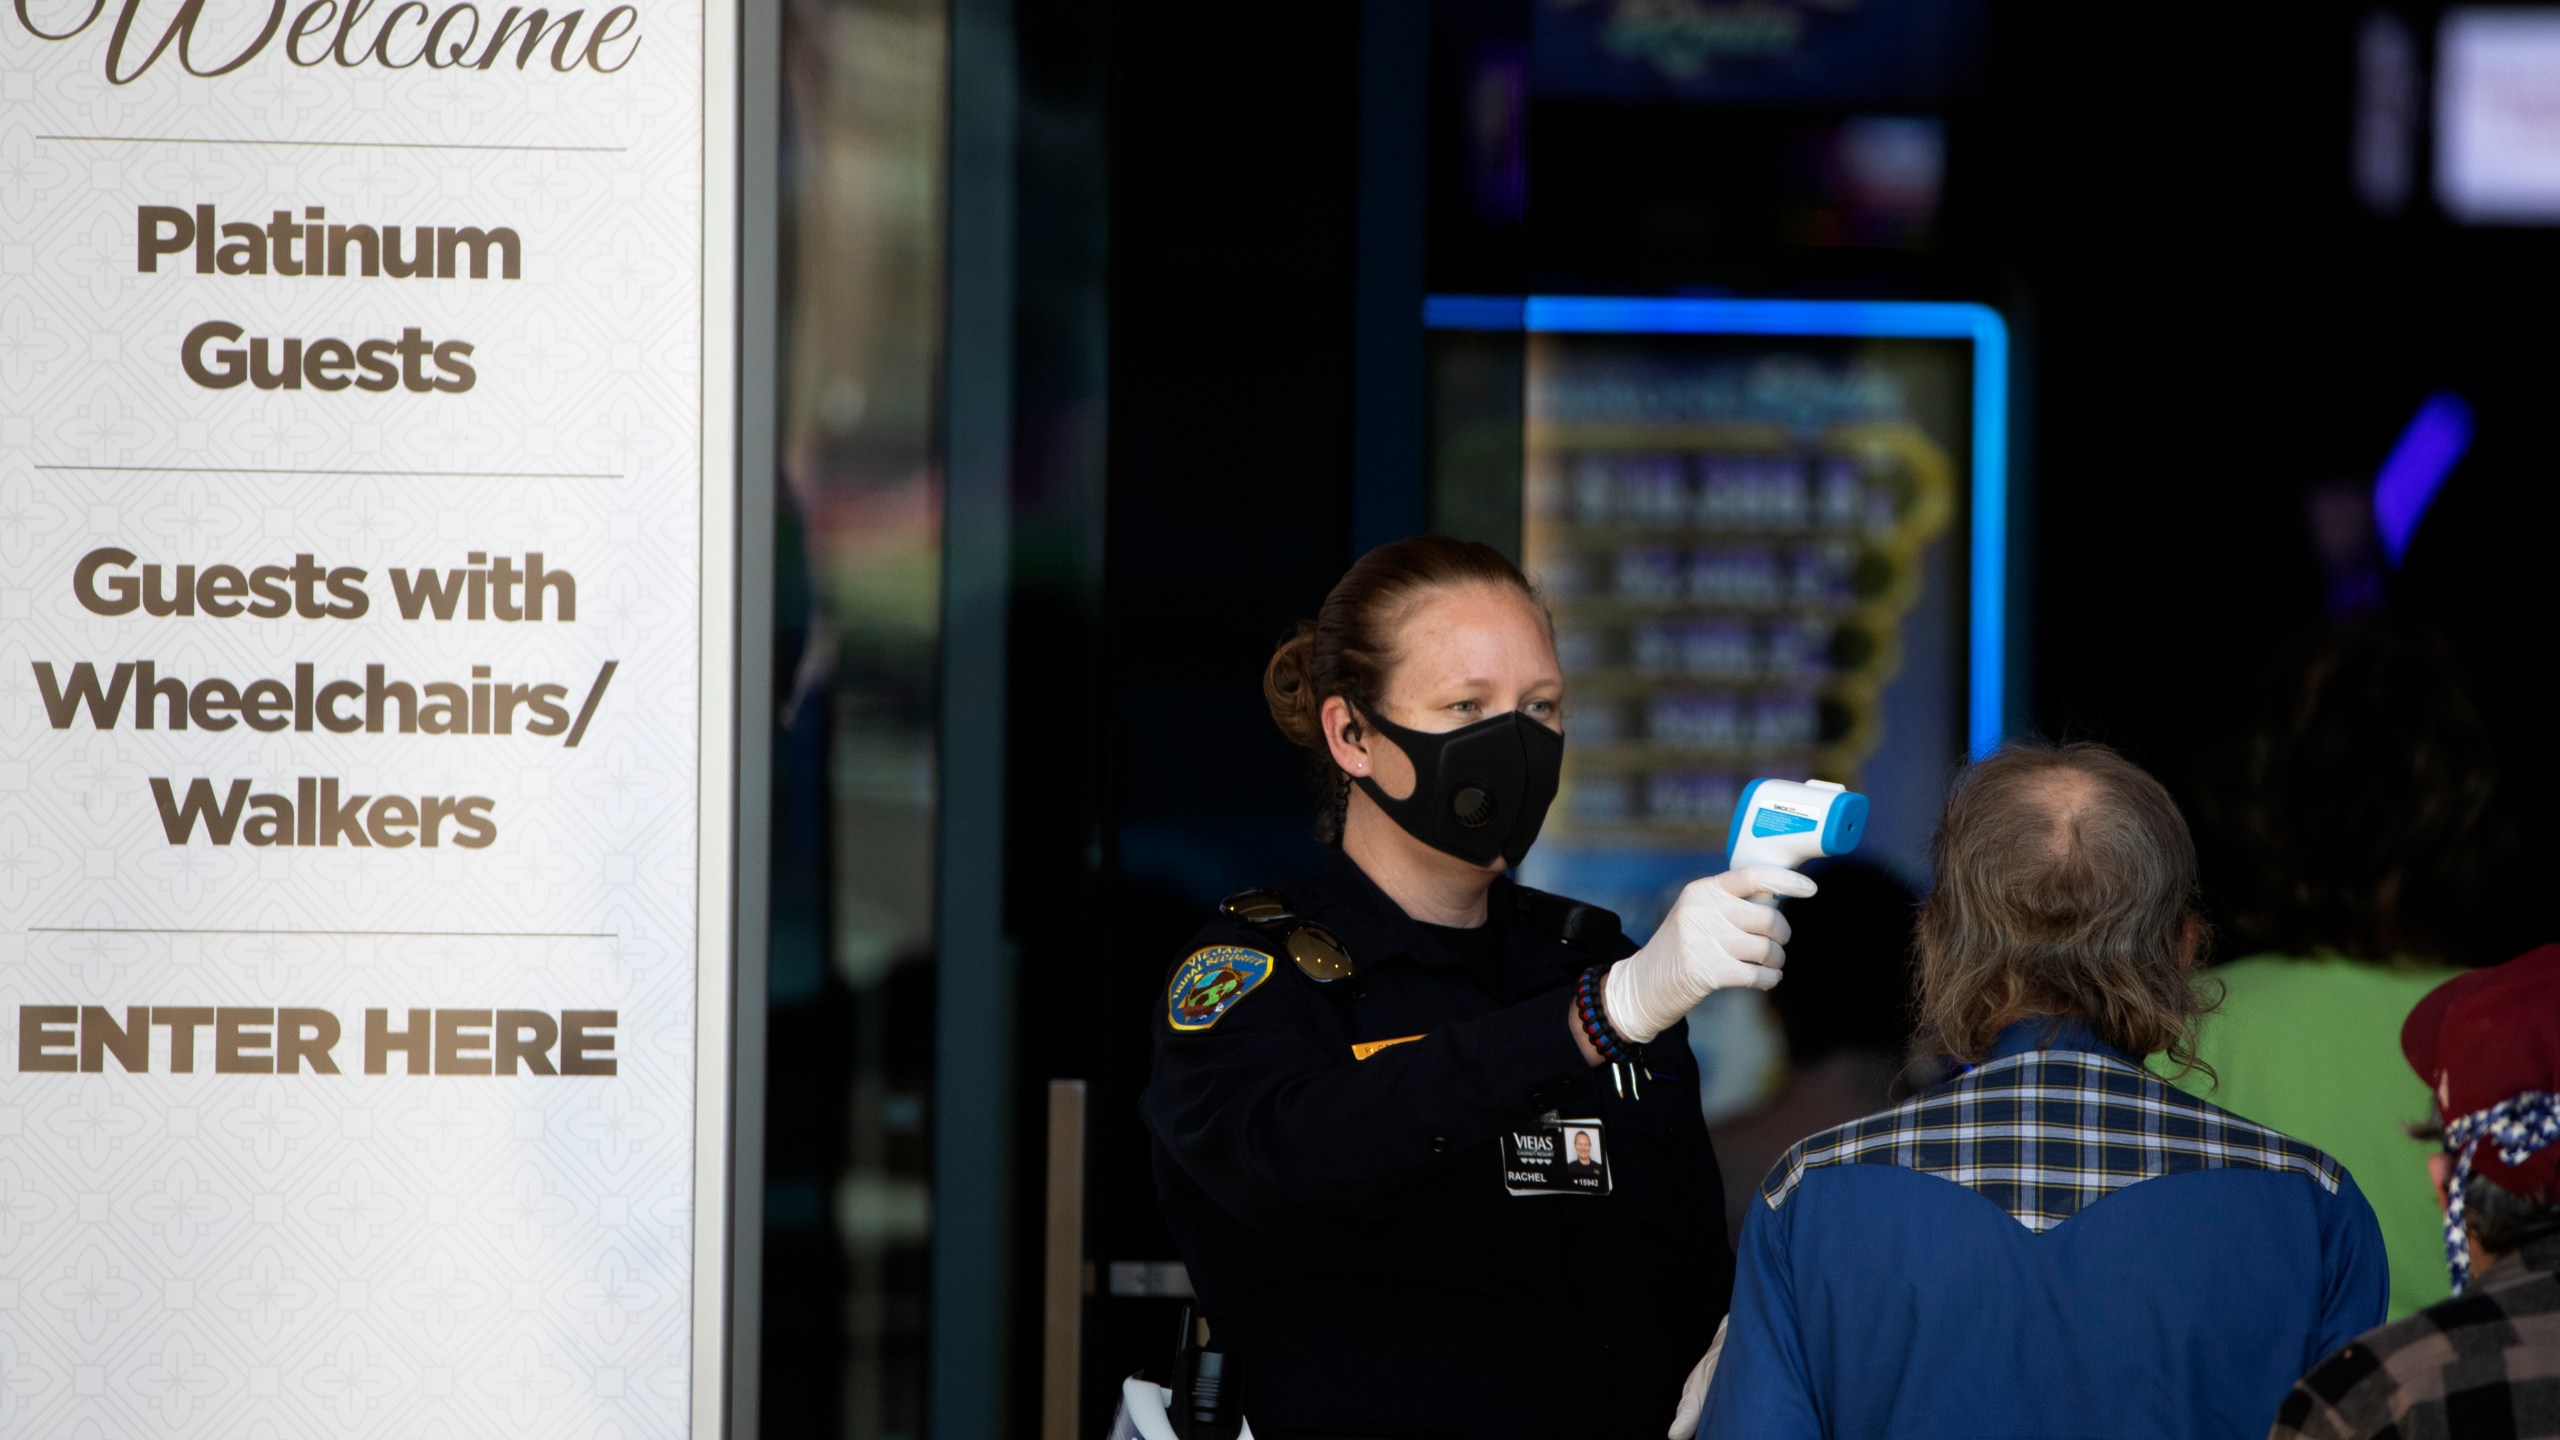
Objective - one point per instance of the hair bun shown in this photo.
(1352, 644)
(1288, 687)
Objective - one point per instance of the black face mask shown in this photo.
(1479, 791)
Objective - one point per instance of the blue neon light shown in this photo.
(1474, 312)
(2426, 453)
(1887, 319)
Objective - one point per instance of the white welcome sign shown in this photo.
(366, 504)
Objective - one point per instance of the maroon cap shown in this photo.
(2488, 1036)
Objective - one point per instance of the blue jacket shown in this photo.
(2053, 1244)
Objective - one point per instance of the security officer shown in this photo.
(1364, 1083)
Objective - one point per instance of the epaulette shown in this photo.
(1318, 953)
(1570, 921)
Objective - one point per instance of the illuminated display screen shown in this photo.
(1760, 51)
(1772, 536)
(2498, 115)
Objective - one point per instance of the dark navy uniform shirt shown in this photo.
(1346, 1221)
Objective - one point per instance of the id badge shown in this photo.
(1556, 1157)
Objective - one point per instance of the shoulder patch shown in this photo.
(1210, 983)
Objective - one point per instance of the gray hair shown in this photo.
(2066, 886)
(2503, 1222)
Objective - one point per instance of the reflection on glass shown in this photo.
(858, 577)
(1752, 549)
(1732, 539)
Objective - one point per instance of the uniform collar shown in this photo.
(2051, 1032)
(1373, 927)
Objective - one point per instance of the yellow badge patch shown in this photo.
(1367, 1048)
(1211, 982)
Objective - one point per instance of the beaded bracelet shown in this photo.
(1595, 1018)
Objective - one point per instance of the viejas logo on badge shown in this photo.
(350, 34)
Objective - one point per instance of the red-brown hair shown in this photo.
(1350, 648)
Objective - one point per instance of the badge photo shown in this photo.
(1211, 982)
(1556, 1157)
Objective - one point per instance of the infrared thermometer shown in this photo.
(1787, 822)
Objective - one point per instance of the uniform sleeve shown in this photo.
(1708, 1285)
(1278, 1124)
(1763, 1389)
(2359, 1293)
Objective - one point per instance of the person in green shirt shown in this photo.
(2360, 832)
(2293, 1046)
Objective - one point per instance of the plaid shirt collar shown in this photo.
(2053, 1122)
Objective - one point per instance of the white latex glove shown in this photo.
(1715, 938)
(1693, 1394)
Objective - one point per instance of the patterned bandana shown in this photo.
(2517, 1126)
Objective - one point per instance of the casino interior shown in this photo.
(1864, 381)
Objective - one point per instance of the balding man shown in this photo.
(2054, 1242)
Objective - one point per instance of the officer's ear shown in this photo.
(1345, 737)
